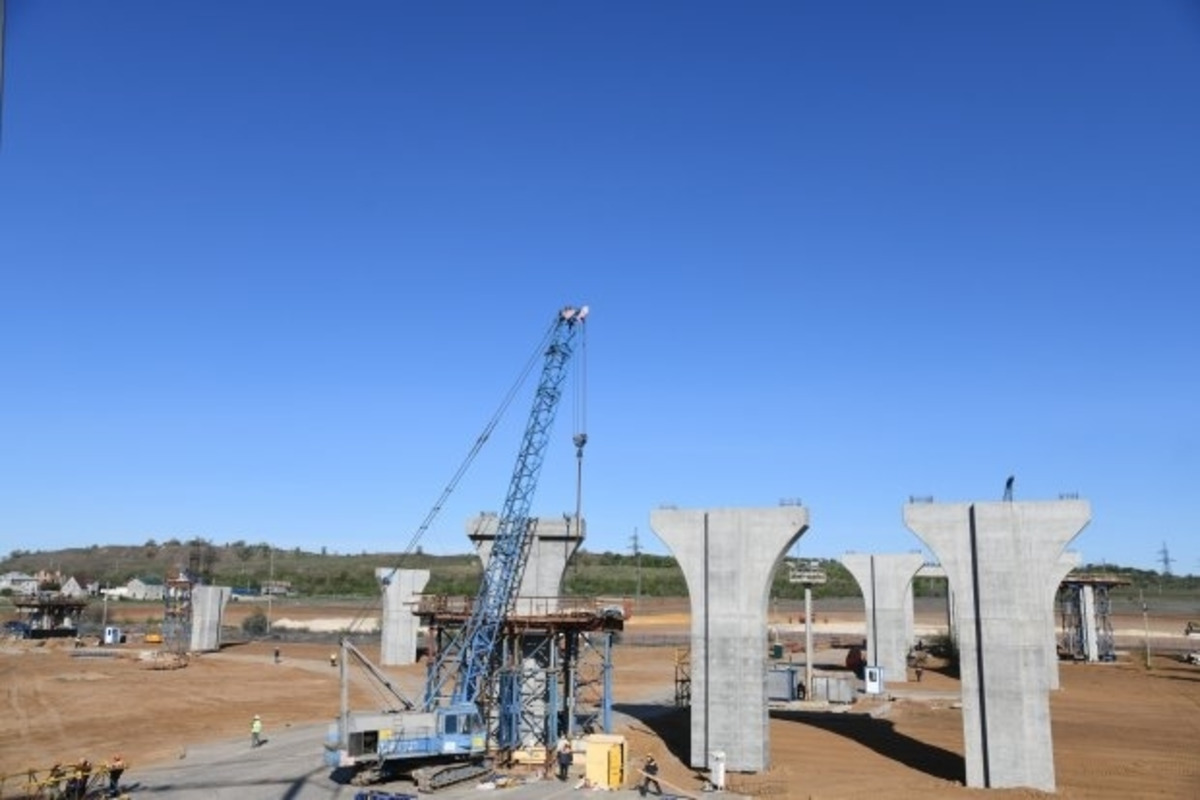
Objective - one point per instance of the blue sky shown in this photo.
(269, 268)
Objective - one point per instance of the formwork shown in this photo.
(1084, 605)
(553, 673)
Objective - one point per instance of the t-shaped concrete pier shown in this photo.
(554, 542)
(728, 557)
(999, 558)
(886, 583)
(398, 628)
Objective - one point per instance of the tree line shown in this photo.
(251, 565)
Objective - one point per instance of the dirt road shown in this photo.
(1120, 730)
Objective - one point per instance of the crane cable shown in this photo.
(580, 436)
(482, 439)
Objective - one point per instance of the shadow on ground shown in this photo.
(881, 736)
(671, 724)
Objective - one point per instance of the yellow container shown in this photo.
(605, 766)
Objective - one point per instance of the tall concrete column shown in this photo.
(728, 557)
(398, 628)
(999, 557)
(1087, 608)
(554, 542)
(886, 583)
(208, 613)
(1068, 561)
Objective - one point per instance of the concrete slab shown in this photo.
(999, 558)
(728, 557)
(398, 632)
(554, 542)
(886, 583)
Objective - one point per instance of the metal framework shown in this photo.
(467, 666)
(177, 614)
(50, 615)
(1084, 606)
(555, 671)
(683, 677)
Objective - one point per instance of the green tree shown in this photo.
(255, 624)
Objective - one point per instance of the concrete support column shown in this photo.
(728, 557)
(208, 613)
(1087, 609)
(1068, 561)
(398, 628)
(886, 583)
(999, 557)
(554, 542)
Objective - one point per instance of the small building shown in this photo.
(144, 589)
(277, 588)
(71, 588)
(50, 578)
(19, 583)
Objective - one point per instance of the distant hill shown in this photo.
(240, 564)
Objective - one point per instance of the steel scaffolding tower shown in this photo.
(555, 671)
(1085, 605)
(177, 614)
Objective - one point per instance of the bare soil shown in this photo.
(1120, 730)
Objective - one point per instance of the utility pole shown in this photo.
(637, 554)
(809, 573)
(1145, 626)
(270, 585)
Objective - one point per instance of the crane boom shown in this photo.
(502, 576)
(445, 741)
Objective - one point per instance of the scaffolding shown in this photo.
(177, 614)
(1084, 606)
(683, 677)
(50, 615)
(554, 668)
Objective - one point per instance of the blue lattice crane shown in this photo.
(474, 658)
(444, 741)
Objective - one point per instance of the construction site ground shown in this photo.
(1120, 730)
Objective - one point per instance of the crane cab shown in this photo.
(456, 732)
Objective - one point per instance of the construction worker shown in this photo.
(649, 776)
(256, 731)
(562, 754)
(116, 768)
(54, 778)
(333, 659)
(78, 782)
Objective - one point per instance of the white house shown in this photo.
(19, 583)
(72, 588)
(138, 589)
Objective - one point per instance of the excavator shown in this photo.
(442, 740)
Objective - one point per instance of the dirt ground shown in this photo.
(1120, 730)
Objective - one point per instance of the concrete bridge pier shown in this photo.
(728, 557)
(208, 614)
(398, 628)
(886, 583)
(999, 558)
(554, 543)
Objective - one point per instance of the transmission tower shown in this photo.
(1164, 558)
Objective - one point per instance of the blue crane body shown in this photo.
(445, 740)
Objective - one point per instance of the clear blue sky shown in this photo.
(268, 268)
